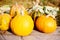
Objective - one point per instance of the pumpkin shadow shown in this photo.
(35, 28)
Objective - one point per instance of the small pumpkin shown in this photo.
(46, 24)
(4, 21)
(22, 24)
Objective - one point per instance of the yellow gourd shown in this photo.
(22, 24)
(4, 21)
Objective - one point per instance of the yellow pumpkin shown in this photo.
(4, 21)
(22, 24)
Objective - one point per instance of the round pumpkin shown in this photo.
(46, 24)
(4, 21)
(22, 25)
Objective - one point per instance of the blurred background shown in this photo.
(29, 3)
(26, 2)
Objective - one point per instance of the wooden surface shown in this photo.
(35, 35)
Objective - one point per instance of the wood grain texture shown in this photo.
(35, 35)
(10, 36)
(1, 38)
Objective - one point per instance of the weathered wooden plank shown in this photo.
(35, 35)
(10, 36)
(1, 38)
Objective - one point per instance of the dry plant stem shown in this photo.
(20, 8)
(36, 0)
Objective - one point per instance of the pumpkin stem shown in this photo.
(22, 12)
(20, 9)
(51, 16)
(37, 1)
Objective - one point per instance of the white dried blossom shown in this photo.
(5, 8)
(51, 10)
(40, 8)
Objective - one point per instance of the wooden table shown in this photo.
(35, 35)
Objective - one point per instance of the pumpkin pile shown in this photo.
(18, 19)
(22, 21)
